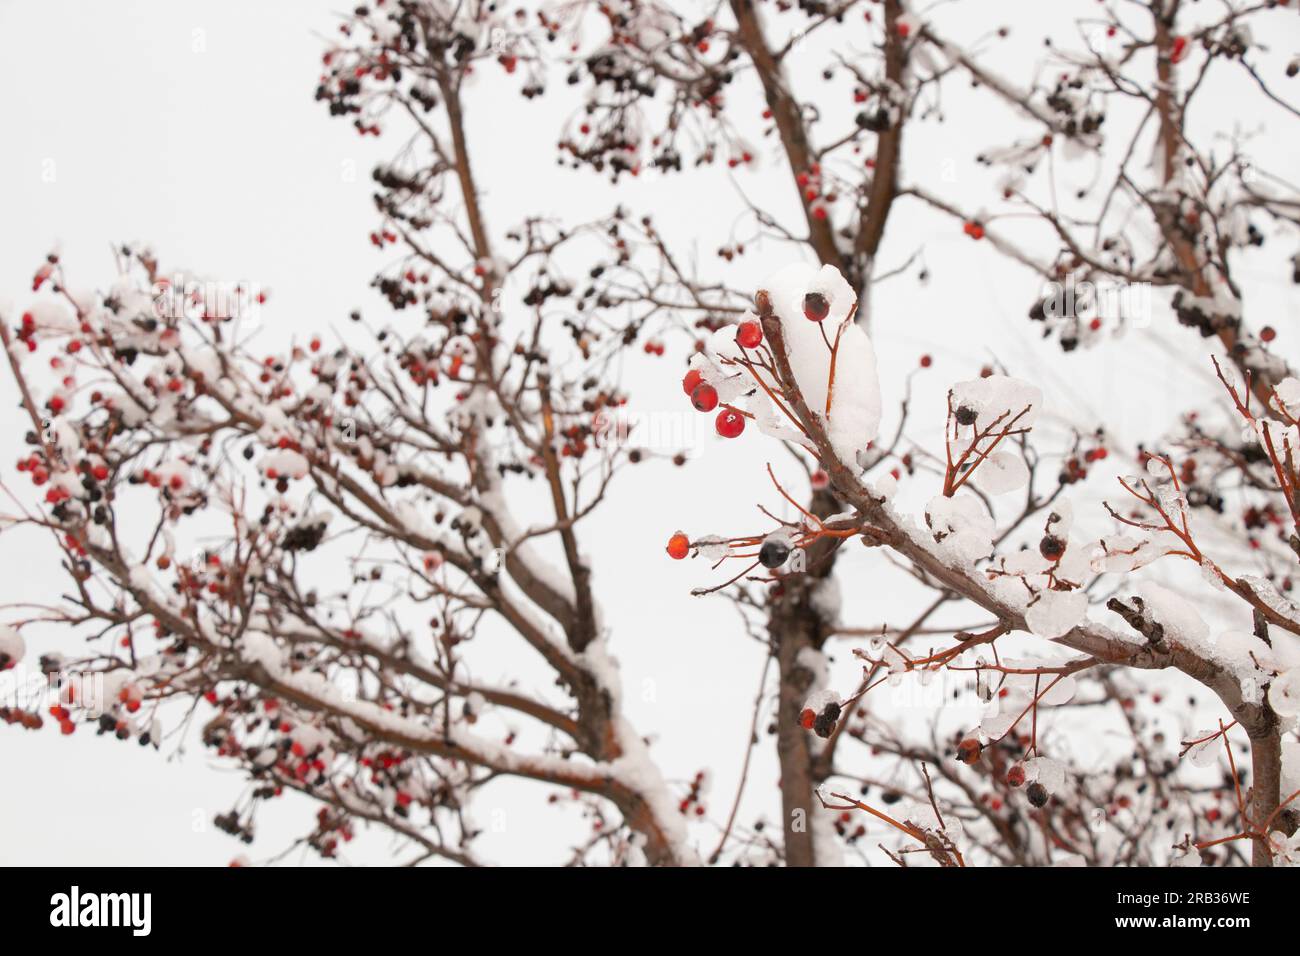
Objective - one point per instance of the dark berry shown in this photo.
(816, 307)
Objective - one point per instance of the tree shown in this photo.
(204, 495)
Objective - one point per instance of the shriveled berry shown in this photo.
(704, 398)
(730, 423)
(678, 546)
(1037, 794)
(968, 751)
(816, 307)
(965, 415)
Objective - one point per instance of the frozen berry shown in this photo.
(1016, 776)
(816, 307)
(1037, 794)
(1051, 547)
(730, 423)
(807, 718)
(678, 546)
(773, 554)
(968, 751)
(749, 335)
(692, 381)
(965, 415)
(705, 398)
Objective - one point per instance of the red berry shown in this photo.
(807, 718)
(926, 361)
(1268, 333)
(968, 751)
(749, 335)
(1016, 775)
(692, 381)
(816, 307)
(730, 423)
(705, 398)
(678, 546)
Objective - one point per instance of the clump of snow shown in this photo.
(1288, 393)
(962, 527)
(1284, 694)
(1054, 613)
(997, 400)
(1174, 613)
(1046, 771)
(284, 463)
(12, 647)
(854, 410)
(1001, 473)
(826, 600)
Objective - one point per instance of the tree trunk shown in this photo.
(794, 625)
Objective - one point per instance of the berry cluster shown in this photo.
(821, 723)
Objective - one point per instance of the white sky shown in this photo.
(192, 126)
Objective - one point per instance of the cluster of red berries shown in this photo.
(64, 717)
(810, 183)
(330, 828)
(27, 331)
(973, 229)
(27, 719)
(32, 463)
(1074, 469)
(704, 397)
(694, 799)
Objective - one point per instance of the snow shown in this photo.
(999, 399)
(1284, 694)
(1046, 771)
(962, 527)
(826, 600)
(1001, 473)
(1175, 614)
(855, 402)
(12, 646)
